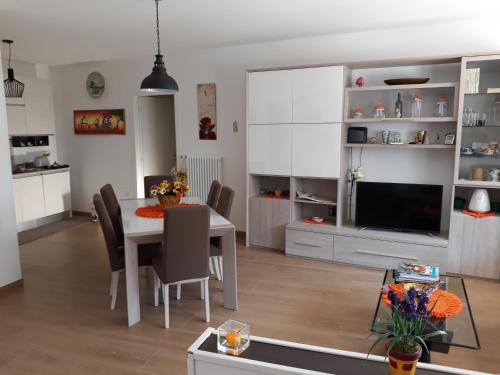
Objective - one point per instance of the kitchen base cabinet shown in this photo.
(57, 193)
(28, 198)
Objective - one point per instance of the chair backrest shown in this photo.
(186, 243)
(225, 202)
(213, 194)
(113, 241)
(113, 208)
(150, 181)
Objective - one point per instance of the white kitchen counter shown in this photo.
(39, 173)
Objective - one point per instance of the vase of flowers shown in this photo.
(406, 330)
(169, 194)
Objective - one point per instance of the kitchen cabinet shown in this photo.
(316, 150)
(318, 94)
(57, 193)
(28, 198)
(16, 119)
(269, 149)
(270, 97)
(269, 217)
(39, 107)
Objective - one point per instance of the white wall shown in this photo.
(10, 267)
(96, 159)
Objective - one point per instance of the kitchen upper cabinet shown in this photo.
(270, 97)
(16, 119)
(57, 193)
(269, 149)
(28, 198)
(318, 94)
(39, 107)
(316, 150)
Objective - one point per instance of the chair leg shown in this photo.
(178, 291)
(210, 266)
(166, 303)
(221, 268)
(156, 286)
(115, 277)
(217, 268)
(202, 290)
(207, 301)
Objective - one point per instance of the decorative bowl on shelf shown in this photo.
(406, 81)
(233, 337)
(318, 219)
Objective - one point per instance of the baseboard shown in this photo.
(82, 213)
(17, 283)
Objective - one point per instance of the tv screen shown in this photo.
(404, 207)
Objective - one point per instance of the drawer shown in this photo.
(309, 244)
(386, 254)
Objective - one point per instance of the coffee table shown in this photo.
(460, 328)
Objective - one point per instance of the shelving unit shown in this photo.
(404, 146)
(369, 120)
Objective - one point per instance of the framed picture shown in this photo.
(99, 121)
(207, 111)
(449, 139)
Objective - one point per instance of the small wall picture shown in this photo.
(99, 121)
(449, 139)
(207, 111)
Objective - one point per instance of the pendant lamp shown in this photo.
(13, 88)
(159, 80)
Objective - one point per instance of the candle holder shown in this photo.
(233, 337)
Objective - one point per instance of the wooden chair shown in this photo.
(150, 181)
(213, 194)
(113, 207)
(185, 254)
(114, 245)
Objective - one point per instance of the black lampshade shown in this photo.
(12, 87)
(159, 80)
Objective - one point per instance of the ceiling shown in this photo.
(68, 31)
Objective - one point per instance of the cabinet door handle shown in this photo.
(385, 255)
(306, 244)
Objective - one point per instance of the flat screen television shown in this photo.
(403, 207)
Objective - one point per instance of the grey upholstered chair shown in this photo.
(114, 245)
(213, 194)
(113, 207)
(185, 253)
(224, 206)
(150, 181)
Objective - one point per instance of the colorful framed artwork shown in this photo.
(99, 121)
(207, 111)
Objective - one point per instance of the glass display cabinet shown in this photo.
(478, 158)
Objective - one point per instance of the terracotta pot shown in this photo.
(167, 201)
(403, 363)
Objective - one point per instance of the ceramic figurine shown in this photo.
(360, 82)
(480, 201)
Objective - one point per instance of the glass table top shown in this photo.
(460, 328)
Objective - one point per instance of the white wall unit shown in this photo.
(39, 106)
(57, 193)
(268, 220)
(16, 119)
(309, 244)
(318, 94)
(269, 149)
(28, 198)
(316, 150)
(270, 97)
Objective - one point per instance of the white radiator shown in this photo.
(201, 171)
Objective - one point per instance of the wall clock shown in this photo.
(95, 84)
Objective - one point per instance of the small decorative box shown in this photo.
(233, 337)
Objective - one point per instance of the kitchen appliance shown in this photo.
(41, 161)
(357, 134)
(403, 207)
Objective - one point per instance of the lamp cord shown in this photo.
(10, 53)
(157, 27)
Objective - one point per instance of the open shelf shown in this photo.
(329, 228)
(420, 86)
(406, 146)
(312, 202)
(401, 119)
(483, 184)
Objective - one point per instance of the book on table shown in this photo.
(416, 273)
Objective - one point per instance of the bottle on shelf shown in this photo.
(416, 105)
(398, 109)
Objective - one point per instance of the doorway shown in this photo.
(156, 152)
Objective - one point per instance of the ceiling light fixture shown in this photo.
(13, 88)
(159, 80)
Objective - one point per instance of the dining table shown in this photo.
(141, 230)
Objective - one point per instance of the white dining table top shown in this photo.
(135, 226)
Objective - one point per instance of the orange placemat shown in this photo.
(479, 214)
(155, 211)
(311, 221)
(448, 304)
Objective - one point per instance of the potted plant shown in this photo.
(169, 193)
(407, 329)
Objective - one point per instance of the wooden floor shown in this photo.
(60, 323)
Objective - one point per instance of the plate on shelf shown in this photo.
(406, 81)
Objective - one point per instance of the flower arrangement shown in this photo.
(177, 188)
(407, 328)
(179, 174)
